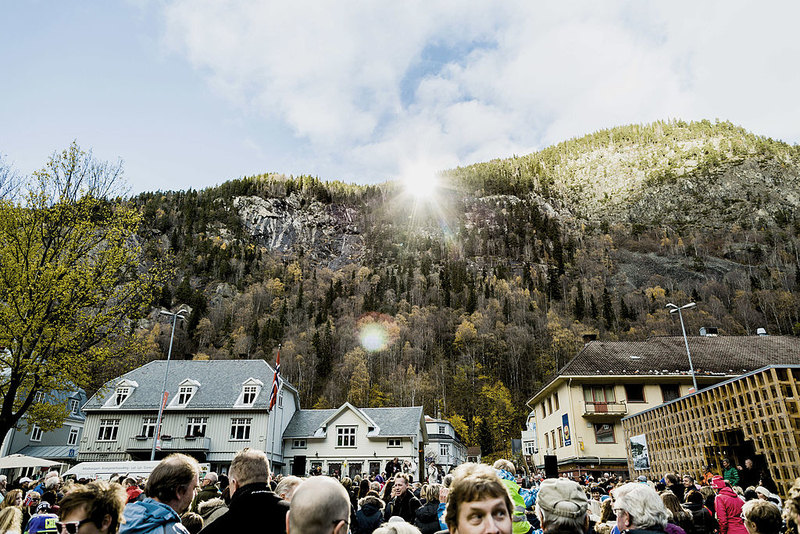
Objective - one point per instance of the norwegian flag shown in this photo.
(276, 382)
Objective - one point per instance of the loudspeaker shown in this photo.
(551, 466)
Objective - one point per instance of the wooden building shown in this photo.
(755, 415)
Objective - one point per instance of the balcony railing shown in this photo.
(138, 443)
(605, 408)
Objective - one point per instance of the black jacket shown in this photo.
(405, 506)
(370, 516)
(253, 507)
(428, 518)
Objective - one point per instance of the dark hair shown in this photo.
(98, 499)
(694, 497)
(174, 471)
(193, 522)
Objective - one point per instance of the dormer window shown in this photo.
(74, 406)
(186, 391)
(123, 390)
(121, 394)
(251, 389)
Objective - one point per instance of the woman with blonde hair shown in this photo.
(677, 514)
(13, 498)
(11, 520)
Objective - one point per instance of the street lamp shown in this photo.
(673, 309)
(180, 314)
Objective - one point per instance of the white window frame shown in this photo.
(149, 426)
(38, 397)
(444, 449)
(442, 429)
(121, 395)
(240, 428)
(36, 433)
(74, 406)
(280, 400)
(346, 437)
(72, 439)
(185, 394)
(394, 442)
(299, 444)
(249, 394)
(109, 428)
(196, 426)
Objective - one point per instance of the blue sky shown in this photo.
(191, 93)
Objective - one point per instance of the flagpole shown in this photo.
(273, 401)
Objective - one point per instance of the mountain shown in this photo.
(381, 298)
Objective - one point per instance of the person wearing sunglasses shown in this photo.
(95, 508)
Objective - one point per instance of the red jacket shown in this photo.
(728, 506)
(133, 493)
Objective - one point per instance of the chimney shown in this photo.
(762, 332)
(709, 331)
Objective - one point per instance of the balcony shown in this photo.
(168, 443)
(613, 409)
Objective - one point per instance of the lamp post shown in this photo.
(175, 316)
(673, 309)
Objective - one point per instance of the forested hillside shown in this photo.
(465, 302)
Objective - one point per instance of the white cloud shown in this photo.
(337, 73)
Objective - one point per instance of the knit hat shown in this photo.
(717, 482)
(641, 478)
(562, 497)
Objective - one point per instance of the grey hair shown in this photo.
(558, 523)
(642, 504)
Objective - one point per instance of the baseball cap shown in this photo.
(562, 497)
(24, 480)
(641, 478)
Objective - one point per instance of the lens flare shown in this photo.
(373, 337)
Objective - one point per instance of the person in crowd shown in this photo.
(761, 517)
(703, 521)
(709, 495)
(393, 467)
(397, 527)
(386, 491)
(29, 505)
(791, 508)
(13, 498)
(749, 475)
(43, 521)
(427, 520)
(478, 502)
(213, 509)
(562, 507)
(41, 487)
(674, 485)
(523, 499)
(11, 520)
(94, 508)
(369, 515)
(3, 483)
(639, 509)
(677, 514)
(688, 485)
(209, 490)
(132, 489)
(765, 495)
(193, 522)
(708, 474)
(170, 489)
(287, 486)
(403, 502)
(363, 488)
(729, 472)
(595, 504)
(320, 505)
(607, 515)
(728, 507)
(249, 476)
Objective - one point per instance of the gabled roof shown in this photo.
(389, 422)
(220, 384)
(666, 356)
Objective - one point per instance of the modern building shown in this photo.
(756, 416)
(59, 445)
(445, 450)
(212, 409)
(350, 441)
(576, 416)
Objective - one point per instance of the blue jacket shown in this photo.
(150, 516)
(528, 495)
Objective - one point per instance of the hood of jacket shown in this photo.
(207, 507)
(428, 512)
(727, 492)
(371, 504)
(147, 515)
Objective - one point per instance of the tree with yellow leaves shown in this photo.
(70, 282)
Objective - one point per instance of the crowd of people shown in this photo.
(475, 498)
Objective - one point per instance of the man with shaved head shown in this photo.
(320, 505)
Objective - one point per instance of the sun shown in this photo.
(420, 180)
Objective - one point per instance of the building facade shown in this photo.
(445, 451)
(212, 410)
(350, 441)
(577, 415)
(59, 445)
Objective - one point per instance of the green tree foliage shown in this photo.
(70, 283)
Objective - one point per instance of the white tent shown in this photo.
(20, 460)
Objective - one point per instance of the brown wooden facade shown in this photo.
(755, 415)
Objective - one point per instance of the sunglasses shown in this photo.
(71, 527)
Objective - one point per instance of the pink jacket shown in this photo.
(728, 506)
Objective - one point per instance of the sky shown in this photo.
(192, 93)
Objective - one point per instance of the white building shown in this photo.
(445, 450)
(214, 408)
(353, 441)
